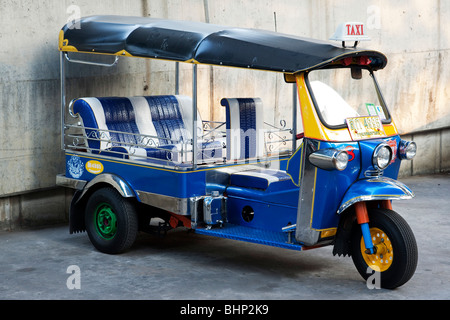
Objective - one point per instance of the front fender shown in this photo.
(380, 188)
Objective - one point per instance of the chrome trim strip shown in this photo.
(408, 194)
(181, 206)
(372, 197)
(175, 205)
(116, 182)
(62, 180)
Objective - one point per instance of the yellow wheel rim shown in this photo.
(384, 256)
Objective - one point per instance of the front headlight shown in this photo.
(341, 160)
(407, 150)
(382, 156)
(329, 159)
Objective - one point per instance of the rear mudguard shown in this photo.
(76, 211)
(112, 180)
(379, 188)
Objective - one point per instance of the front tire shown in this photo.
(396, 256)
(111, 221)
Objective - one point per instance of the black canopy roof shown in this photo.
(198, 42)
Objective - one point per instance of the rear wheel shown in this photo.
(396, 250)
(111, 221)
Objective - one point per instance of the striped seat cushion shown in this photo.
(259, 178)
(245, 135)
(154, 126)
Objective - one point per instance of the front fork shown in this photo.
(362, 217)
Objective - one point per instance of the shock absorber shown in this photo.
(362, 217)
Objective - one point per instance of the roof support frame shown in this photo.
(194, 118)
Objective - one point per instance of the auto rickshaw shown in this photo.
(151, 163)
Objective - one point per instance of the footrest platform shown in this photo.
(241, 233)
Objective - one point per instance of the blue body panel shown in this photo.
(330, 186)
(367, 148)
(269, 213)
(333, 189)
(275, 205)
(142, 177)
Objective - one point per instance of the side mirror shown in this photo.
(356, 73)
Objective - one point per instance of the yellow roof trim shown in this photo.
(123, 53)
(64, 43)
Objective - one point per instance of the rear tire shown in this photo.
(111, 221)
(397, 254)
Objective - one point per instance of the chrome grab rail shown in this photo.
(100, 64)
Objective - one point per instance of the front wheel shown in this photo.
(111, 221)
(396, 250)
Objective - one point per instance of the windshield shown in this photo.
(339, 96)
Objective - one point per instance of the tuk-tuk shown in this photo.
(152, 163)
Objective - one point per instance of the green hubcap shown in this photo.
(105, 221)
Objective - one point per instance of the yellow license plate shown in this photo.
(365, 127)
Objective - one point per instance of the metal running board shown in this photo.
(241, 233)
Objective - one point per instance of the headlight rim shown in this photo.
(403, 149)
(336, 157)
(376, 153)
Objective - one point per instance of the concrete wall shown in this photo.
(416, 81)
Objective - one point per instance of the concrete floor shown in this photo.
(36, 264)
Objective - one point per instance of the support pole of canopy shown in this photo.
(194, 117)
(63, 97)
(294, 117)
(177, 78)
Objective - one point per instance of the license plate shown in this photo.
(365, 127)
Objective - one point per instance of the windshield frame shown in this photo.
(388, 119)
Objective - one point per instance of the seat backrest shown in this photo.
(166, 117)
(245, 133)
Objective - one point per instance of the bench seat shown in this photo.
(262, 186)
(143, 128)
(260, 179)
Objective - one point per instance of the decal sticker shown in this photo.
(393, 145)
(374, 110)
(351, 154)
(380, 112)
(94, 167)
(75, 167)
(371, 109)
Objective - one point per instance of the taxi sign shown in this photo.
(365, 127)
(350, 31)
